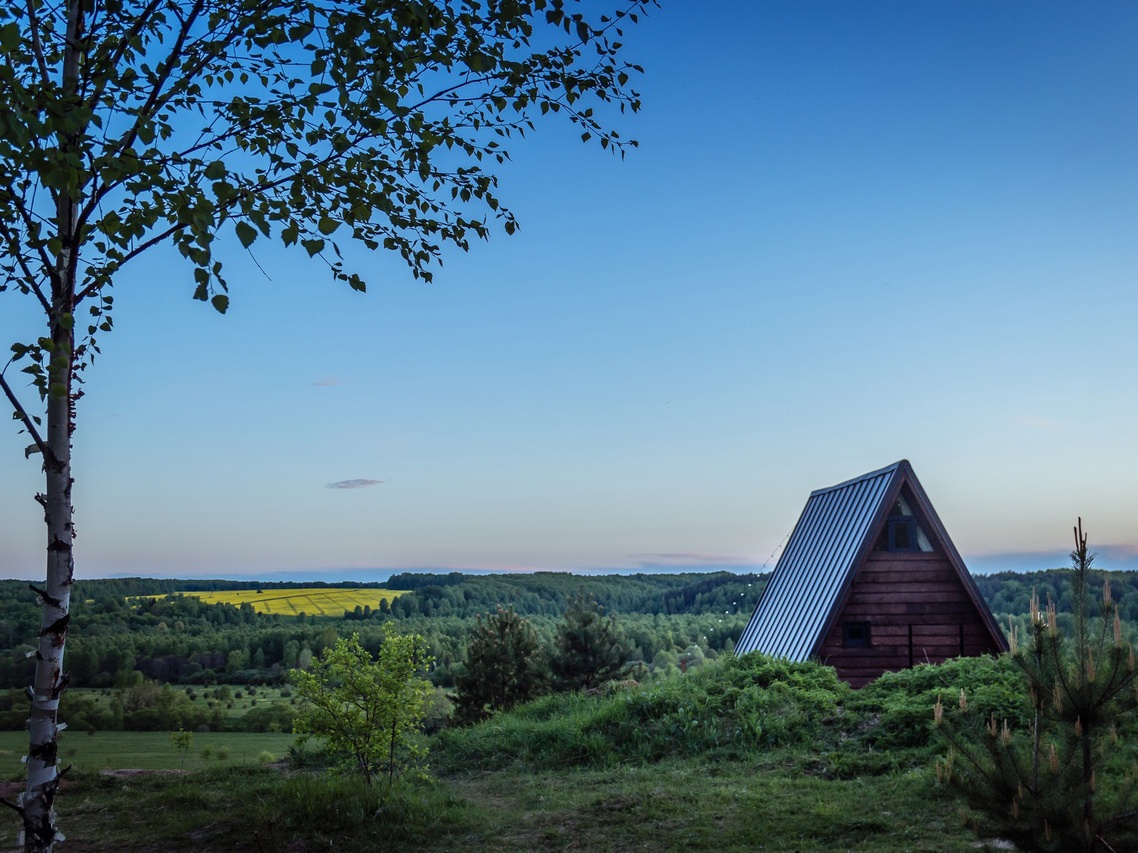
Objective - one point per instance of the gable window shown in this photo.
(902, 532)
(855, 635)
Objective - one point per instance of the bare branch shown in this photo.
(28, 423)
(37, 45)
(29, 277)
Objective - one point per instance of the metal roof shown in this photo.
(810, 576)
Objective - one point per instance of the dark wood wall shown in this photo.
(918, 611)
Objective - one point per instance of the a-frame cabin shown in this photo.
(870, 582)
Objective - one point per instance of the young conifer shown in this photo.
(590, 648)
(505, 665)
(1064, 783)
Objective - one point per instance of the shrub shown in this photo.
(733, 709)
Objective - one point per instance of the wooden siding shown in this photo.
(918, 611)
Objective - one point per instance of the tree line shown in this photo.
(671, 621)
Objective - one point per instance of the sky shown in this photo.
(852, 233)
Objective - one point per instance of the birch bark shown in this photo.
(49, 680)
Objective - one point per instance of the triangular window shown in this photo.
(902, 530)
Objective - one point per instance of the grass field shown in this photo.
(146, 750)
(691, 805)
(235, 700)
(313, 601)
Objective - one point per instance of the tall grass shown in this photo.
(733, 709)
(739, 709)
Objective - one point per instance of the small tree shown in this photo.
(590, 648)
(504, 666)
(1063, 783)
(365, 709)
(182, 741)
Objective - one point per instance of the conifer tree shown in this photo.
(505, 666)
(590, 648)
(1065, 782)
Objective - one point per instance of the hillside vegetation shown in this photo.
(699, 749)
(740, 754)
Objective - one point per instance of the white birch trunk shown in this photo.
(40, 831)
(49, 681)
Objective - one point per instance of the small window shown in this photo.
(855, 634)
(902, 531)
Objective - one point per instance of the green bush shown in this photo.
(732, 708)
(895, 712)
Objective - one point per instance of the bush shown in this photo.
(728, 709)
(895, 711)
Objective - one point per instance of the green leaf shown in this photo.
(246, 233)
(327, 225)
(220, 302)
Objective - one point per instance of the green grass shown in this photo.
(750, 754)
(145, 750)
(693, 805)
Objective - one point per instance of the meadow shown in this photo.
(312, 601)
(737, 755)
(90, 752)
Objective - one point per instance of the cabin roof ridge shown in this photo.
(888, 469)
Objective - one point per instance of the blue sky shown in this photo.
(853, 233)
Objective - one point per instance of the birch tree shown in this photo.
(129, 124)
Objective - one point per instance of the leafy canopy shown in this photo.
(309, 123)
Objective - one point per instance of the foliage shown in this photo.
(131, 125)
(182, 640)
(893, 712)
(1065, 779)
(549, 593)
(732, 709)
(505, 665)
(182, 741)
(590, 649)
(367, 709)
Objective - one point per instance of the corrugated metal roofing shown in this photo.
(796, 606)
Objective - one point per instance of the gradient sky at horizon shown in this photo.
(853, 233)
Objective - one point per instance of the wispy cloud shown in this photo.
(327, 382)
(353, 484)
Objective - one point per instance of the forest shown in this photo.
(125, 638)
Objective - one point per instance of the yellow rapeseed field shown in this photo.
(313, 601)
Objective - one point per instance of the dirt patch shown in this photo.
(130, 774)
